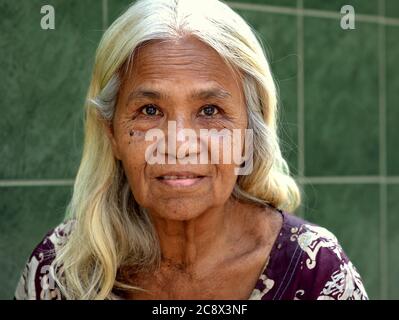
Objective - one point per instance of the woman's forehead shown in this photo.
(183, 59)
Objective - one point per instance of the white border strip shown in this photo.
(314, 13)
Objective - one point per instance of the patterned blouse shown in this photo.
(305, 263)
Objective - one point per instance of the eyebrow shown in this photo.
(198, 94)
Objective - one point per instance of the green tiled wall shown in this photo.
(330, 119)
(45, 76)
(392, 77)
(341, 122)
(392, 8)
(351, 212)
(393, 240)
(27, 214)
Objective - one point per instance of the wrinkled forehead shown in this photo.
(184, 59)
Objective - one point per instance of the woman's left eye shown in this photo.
(209, 110)
(150, 110)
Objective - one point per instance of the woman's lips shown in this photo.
(180, 181)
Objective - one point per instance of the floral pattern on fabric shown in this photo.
(36, 282)
(344, 284)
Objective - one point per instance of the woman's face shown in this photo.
(183, 84)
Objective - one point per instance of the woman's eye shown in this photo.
(209, 111)
(150, 110)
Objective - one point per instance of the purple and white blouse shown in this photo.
(305, 263)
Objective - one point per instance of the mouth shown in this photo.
(180, 179)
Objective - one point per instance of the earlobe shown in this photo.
(109, 129)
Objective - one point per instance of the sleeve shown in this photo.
(327, 272)
(37, 281)
(36, 271)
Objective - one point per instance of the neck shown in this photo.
(188, 243)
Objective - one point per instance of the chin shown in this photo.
(180, 209)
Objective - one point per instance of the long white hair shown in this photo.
(112, 235)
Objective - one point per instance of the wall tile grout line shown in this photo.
(105, 14)
(300, 98)
(300, 93)
(382, 154)
(383, 242)
(314, 13)
(302, 180)
(36, 183)
(348, 180)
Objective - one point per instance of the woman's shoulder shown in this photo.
(36, 281)
(315, 266)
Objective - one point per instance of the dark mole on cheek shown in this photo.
(136, 133)
(131, 133)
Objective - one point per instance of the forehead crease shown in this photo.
(182, 75)
(163, 67)
(161, 63)
(164, 55)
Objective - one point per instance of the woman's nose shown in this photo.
(182, 139)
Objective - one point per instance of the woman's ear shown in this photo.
(109, 129)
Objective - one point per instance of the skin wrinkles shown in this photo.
(210, 243)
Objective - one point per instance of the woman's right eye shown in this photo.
(151, 110)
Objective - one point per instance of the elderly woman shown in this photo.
(141, 228)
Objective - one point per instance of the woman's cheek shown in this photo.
(134, 146)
